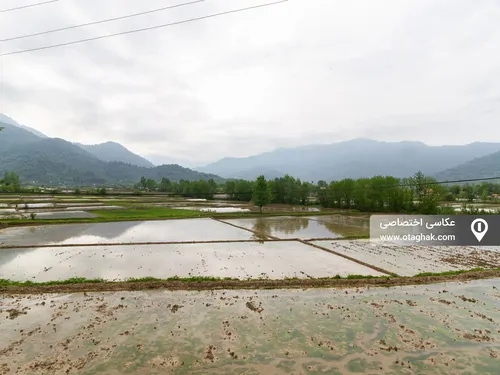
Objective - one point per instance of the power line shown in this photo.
(99, 22)
(28, 6)
(143, 29)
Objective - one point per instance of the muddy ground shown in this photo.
(433, 329)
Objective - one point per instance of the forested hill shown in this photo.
(112, 151)
(55, 161)
(485, 167)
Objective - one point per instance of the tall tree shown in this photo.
(11, 182)
(261, 195)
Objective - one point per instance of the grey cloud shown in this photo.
(302, 72)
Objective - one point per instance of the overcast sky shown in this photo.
(300, 72)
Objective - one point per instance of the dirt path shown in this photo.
(248, 284)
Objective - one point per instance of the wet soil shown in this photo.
(249, 284)
(403, 330)
(412, 260)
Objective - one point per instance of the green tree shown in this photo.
(484, 196)
(261, 195)
(230, 189)
(243, 190)
(150, 184)
(11, 182)
(428, 193)
(165, 185)
(469, 193)
(455, 190)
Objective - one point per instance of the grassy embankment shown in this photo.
(212, 283)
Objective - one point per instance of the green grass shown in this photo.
(192, 279)
(355, 237)
(452, 273)
(350, 277)
(201, 279)
(144, 212)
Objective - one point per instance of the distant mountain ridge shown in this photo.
(112, 151)
(354, 159)
(8, 120)
(107, 151)
(42, 160)
(484, 167)
(54, 161)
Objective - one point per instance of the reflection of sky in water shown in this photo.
(242, 260)
(137, 231)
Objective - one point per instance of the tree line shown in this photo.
(191, 189)
(417, 194)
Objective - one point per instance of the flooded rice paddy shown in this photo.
(302, 227)
(196, 247)
(163, 249)
(440, 329)
(443, 329)
(123, 232)
(275, 260)
(411, 260)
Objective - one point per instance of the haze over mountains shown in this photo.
(8, 120)
(484, 167)
(354, 159)
(43, 160)
(112, 151)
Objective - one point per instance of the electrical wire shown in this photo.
(99, 22)
(143, 29)
(28, 6)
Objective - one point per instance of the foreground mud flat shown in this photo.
(449, 328)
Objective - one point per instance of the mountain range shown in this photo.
(361, 158)
(8, 120)
(41, 160)
(112, 151)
